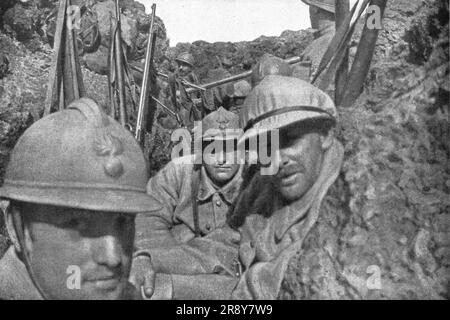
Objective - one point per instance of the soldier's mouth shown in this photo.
(290, 179)
(224, 168)
(106, 283)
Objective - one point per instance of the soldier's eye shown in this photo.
(73, 223)
(205, 144)
(124, 219)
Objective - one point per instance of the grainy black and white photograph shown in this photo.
(224, 150)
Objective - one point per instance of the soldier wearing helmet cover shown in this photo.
(191, 246)
(75, 181)
(274, 213)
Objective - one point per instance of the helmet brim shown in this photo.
(123, 201)
(280, 121)
(185, 62)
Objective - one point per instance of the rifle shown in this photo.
(169, 111)
(143, 100)
(241, 76)
(166, 77)
(184, 82)
(65, 82)
(119, 66)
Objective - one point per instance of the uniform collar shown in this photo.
(229, 191)
(15, 282)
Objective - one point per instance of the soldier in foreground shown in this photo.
(75, 182)
(189, 236)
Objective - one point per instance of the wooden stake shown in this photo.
(342, 10)
(363, 58)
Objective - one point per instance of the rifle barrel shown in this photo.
(145, 79)
(119, 67)
(166, 108)
(240, 76)
(187, 83)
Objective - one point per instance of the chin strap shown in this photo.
(19, 228)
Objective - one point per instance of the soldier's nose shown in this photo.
(283, 158)
(220, 158)
(108, 251)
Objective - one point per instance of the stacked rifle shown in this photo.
(65, 79)
(66, 82)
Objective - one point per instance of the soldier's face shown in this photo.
(301, 156)
(184, 69)
(221, 163)
(79, 254)
(238, 101)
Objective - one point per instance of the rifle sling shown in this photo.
(195, 184)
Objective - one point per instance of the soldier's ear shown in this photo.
(327, 139)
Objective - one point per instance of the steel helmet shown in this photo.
(327, 5)
(80, 158)
(267, 65)
(280, 101)
(187, 58)
(220, 124)
(241, 89)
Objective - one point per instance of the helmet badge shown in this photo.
(106, 145)
(223, 122)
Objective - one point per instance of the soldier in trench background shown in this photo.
(189, 236)
(235, 100)
(74, 184)
(322, 15)
(191, 105)
(188, 107)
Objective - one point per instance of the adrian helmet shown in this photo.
(220, 124)
(80, 158)
(187, 58)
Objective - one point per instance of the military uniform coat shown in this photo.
(269, 242)
(197, 267)
(15, 283)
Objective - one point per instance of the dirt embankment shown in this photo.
(386, 234)
(386, 230)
